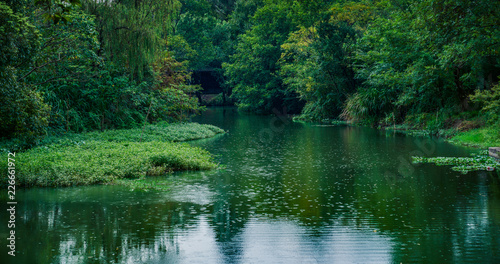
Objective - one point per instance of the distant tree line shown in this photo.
(79, 65)
(427, 63)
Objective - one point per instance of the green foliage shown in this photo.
(240, 20)
(173, 100)
(132, 33)
(463, 164)
(92, 158)
(482, 137)
(84, 85)
(168, 132)
(316, 66)
(97, 162)
(490, 100)
(253, 70)
(57, 10)
(121, 64)
(18, 37)
(196, 46)
(424, 58)
(69, 73)
(175, 132)
(23, 113)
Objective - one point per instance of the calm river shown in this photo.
(288, 193)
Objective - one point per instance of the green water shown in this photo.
(289, 193)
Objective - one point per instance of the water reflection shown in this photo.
(302, 194)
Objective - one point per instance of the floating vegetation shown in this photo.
(98, 162)
(106, 157)
(410, 132)
(481, 161)
(145, 184)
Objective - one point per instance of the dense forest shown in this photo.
(74, 66)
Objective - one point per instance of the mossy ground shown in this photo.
(95, 158)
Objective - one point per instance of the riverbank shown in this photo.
(105, 157)
(481, 137)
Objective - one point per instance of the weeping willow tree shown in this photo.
(132, 33)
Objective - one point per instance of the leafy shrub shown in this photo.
(490, 100)
(23, 113)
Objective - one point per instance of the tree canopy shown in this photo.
(77, 65)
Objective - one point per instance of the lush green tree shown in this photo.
(132, 33)
(315, 65)
(490, 102)
(57, 10)
(194, 37)
(425, 58)
(88, 91)
(173, 98)
(23, 114)
(240, 19)
(81, 87)
(316, 61)
(463, 36)
(87, 76)
(223, 8)
(253, 70)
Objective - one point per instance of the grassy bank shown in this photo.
(460, 134)
(481, 137)
(96, 158)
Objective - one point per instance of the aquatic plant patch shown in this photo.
(96, 162)
(104, 157)
(173, 132)
(481, 161)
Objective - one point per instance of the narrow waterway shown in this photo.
(287, 193)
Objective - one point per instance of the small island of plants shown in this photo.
(477, 162)
(105, 157)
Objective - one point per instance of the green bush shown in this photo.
(490, 100)
(23, 113)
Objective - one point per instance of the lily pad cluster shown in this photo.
(481, 161)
